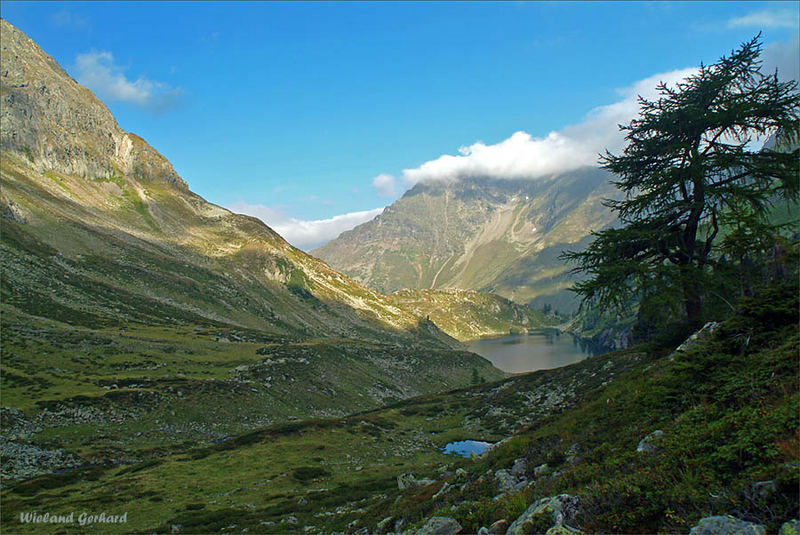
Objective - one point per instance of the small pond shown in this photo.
(538, 350)
(466, 448)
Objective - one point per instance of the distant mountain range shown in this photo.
(500, 236)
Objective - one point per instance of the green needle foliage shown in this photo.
(688, 171)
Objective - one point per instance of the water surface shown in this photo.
(539, 350)
(466, 448)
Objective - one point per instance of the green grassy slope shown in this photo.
(727, 408)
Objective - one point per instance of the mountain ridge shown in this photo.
(491, 235)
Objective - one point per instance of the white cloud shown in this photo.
(67, 19)
(384, 184)
(784, 56)
(97, 71)
(305, 234)
(525, 156)
(767, 18)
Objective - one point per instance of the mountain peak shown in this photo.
(83, 137)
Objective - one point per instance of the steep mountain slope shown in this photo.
(127, 298)
(84, 196)
(501, 236)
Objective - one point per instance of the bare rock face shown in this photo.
(82, 138)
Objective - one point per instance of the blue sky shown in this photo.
(314, 116)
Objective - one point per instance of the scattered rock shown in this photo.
(407, 481)
(726, 525)
(647, 444)
(24, 461)
(440, 525)
(505, 481)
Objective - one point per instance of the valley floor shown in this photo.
(642, 440)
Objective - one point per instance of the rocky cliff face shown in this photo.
(58, 125)
(501, 236)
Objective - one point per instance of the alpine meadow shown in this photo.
(591, 330)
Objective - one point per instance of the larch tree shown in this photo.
(692, 163)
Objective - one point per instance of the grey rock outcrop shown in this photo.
(557, 511)
(83, 137)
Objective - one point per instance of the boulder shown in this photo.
(546, 514)
(726, 525)
(541, 469)
(505, 481)
(704, 333)
(648, 443)
(440, 525)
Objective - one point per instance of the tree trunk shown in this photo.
(691, 297)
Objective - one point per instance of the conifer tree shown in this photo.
(691, 165)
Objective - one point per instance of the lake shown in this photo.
(539, 350)
(466, 448)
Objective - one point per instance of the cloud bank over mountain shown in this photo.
(520, 156)
(526, 156)
(305, 234)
